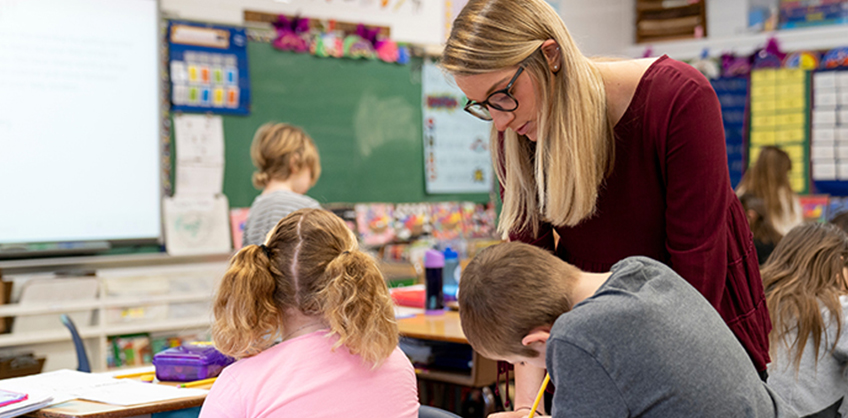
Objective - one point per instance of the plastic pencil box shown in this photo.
(188, 362)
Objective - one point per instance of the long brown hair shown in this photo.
(768, 179)
(805, 269)
(496, 313)
(311, 262)
(557, 178)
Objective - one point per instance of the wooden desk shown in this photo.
(88, 409)
(446, 327)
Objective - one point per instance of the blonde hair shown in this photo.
(311, 262)
(280, 149)
(768, 179)
(805, 269)
(557, 178)
(496, 313)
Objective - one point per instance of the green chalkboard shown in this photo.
(365, 117)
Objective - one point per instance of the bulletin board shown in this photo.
(208, 68)
(364, 115)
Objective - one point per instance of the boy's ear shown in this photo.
(537, 335)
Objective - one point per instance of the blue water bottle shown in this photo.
(434, 264)
(450, 274)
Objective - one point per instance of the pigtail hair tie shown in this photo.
(265, 250)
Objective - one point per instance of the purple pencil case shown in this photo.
(189, 362)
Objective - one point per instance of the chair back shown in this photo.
(82, 357)
(425, 411)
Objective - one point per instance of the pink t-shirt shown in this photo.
(303, 377)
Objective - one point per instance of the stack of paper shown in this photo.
(64, 385)
(32, 403)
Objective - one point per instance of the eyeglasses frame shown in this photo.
(506, 90)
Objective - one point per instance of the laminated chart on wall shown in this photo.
(779, 117)
(208, 69)
(456, 144)
(829, 144)
(732, 93)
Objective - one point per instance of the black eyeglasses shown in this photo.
(500, 100)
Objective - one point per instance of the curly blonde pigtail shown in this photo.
(357, 305)
(247, 317)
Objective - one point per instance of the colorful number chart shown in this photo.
(208, 66)
(779, 118)
(830, 131)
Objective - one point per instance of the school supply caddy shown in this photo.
(189, 362)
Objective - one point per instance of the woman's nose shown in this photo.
(501, 119)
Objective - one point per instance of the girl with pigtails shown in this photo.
(310, 288)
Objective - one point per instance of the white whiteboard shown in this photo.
(79, 120)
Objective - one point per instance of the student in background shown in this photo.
(638, 341)
(765, 236)
(768, 179)
(287, 166)
(841, 220)
(807, 296)
(311, 286)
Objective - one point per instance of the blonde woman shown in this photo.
(287, 166)
(805, 280)
(310, 286)
(619, 158)
(768, 180)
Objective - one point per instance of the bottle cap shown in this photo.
(449, 253)
(434, 259)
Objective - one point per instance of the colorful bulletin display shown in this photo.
(208, 69)
(456, 144)
(732, 93)
(830, 132)
(779, 117)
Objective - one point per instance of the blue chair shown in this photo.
(425, 411)
(82, 357)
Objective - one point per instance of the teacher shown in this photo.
(599, 160)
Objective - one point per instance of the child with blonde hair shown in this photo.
(310, 286)
(807, 296)
(287, 166)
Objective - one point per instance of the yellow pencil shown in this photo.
(139, 374)
(197, 383)
(539, 396)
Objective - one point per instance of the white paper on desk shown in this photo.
(199, 154)
(61, 385)
(32, 403)
(132, 392)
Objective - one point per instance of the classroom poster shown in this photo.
(779, 118)
(456, 144)
(208, 69)
(829, 144)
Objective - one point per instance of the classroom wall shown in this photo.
(600, 27)
(422, 27)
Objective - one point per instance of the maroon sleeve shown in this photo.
(698, 185)
(545, 237)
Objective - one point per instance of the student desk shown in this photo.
(86, 409)
(446, 327)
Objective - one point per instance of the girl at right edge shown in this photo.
(311, 286)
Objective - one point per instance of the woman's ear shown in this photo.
(553, 54)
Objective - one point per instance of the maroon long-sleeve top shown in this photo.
(669, 198)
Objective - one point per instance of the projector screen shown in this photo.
(79, 120)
